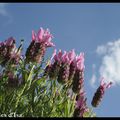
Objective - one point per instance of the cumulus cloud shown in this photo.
(110, 66)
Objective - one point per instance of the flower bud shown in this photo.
(97, 98)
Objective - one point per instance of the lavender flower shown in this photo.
(72, 69)
(78, 78)
(97, 98)
(63, 73)
(64, 69)
(37, 48)
(81, 106)
(55, 64)
(9, 52)
(6, 49)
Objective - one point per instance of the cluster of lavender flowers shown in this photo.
(10, 56)
(65, 67)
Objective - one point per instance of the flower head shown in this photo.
(37, 48)
(43, 36)
(81, 106)
(71, 55)
(10, 41)
(105, 85)
(53, 67)
(97, 98)
(8, 52)
(78, 77)
(80, 61)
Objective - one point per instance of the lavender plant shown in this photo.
(31, 86)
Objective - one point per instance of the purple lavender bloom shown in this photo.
(78, 78)
(37, 48)
(97, 98)
(55, 64)
(8, 52)
(81, 106)
(64, 69)
(7, 47)
(72, 56)
(43, 36)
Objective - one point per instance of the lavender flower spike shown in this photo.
(97, 98)
(81, 106)
(78, 78)
(37, 48)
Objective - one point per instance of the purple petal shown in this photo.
(109, 85)
(40, 34)
(33, 36)
(71, 55)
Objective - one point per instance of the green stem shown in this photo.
(29, 80)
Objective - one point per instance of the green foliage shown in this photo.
(40, 97)
(34, 94)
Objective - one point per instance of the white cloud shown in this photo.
(93, 79)
(5, 13)
(110, 66)
(101, 50)
(3, 9)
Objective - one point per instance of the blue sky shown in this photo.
(92, 28)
